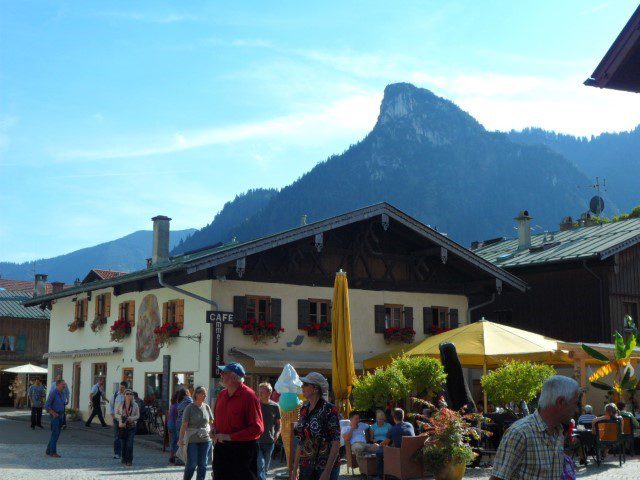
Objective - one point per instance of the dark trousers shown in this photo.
(380, 461)
(197, 457)
(96, 411)
(117, 443)
(56, 424)
(127, 445)
(36, 417)
(235, 461)
(313, 473)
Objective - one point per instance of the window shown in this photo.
(127, 311)
(182, 380)
(319, 311)
(393, 316)
(7, 343)
(631, 308)
(57, 371)
(103, 305)
(152, 387)
(127, 376)
(173, 312)
(81, 311)
(258, 308)
(99, 370)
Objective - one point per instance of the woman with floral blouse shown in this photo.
(317, 432)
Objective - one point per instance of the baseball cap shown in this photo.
(233, 368)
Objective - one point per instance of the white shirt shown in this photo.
(359, 433)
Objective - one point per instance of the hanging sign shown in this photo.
(218, 319)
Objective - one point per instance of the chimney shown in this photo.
(57, 287)
(524, 230)
(566, 224)
(303, 220)
(160, 253)
(40, 285)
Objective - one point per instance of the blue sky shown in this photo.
(113, 112)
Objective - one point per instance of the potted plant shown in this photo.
(120, 329)
(75, 325)
(446, 451)
(261, 331)
(73, 414)
(320, 330)
(97, 323)
(399, 334)
(166, 333)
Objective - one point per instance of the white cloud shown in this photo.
(160, 18)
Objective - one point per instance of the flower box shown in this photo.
(98, 323)
(120, 330)
(435, 330)
(261, 331)
(399, 334)
(322, 331)
(166, 333)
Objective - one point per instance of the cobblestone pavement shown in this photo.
(87, 454)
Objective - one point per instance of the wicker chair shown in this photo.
(399, 462)
(609, 435)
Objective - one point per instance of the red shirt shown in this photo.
(239, 415)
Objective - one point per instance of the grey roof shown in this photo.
(599, 241)
(11, 306)
(207, 258)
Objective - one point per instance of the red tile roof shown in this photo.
(105, 274)
(23, 285)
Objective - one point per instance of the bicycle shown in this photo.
(154, 420)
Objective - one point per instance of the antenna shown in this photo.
(596, 204)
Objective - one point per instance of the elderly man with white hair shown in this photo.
(532, 448)
(587, 417)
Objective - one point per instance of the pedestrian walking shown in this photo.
(317, 432)
(533, 447)
(271, 421)
(126, 417)
(238, 425)
(55, 408)
(172, 424)
(118, 399)
(182, 405)
(65, 392)
(95, 402)
(195, 435)
(36, 395)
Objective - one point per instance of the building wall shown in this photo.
(189, 356)
(624, 287)
(36, 337)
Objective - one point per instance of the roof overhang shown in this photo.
(90, 352)
(619, 69)
(301, 359)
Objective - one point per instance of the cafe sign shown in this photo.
(218, 319)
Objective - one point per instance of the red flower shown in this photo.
(262, 323)
(282, 329)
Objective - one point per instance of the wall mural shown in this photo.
(147, 349)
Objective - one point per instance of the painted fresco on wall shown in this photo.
(147, 349)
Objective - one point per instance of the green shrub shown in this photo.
(426, 375)
(515, 381)
(375, 390)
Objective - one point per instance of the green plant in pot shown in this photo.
(446, 451)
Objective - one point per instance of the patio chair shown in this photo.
(609, 435)
(628, 433)
(399, 462)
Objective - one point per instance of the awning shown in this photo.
(90, 352)
(319, 360)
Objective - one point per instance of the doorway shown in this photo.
(76, 385)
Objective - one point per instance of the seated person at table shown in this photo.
(394, 436)
(378, 431)
(624, 413)
(610, 413)
(587, 417)
(355, 433)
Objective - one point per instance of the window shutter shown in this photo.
(85, 309)
(303, 314)
(453, 318)
(131, 312)
(180, 312)
(75, 313)
(408, 317)
(165, 311)
(379, 318)
(276, 311)
(239, 310)
(97, 305)
(107, 305)
(22, 344)
(329, 319)
(427, 319)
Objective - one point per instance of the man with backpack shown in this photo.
(95, 399)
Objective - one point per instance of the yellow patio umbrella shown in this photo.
(482, 344)
(342, 366)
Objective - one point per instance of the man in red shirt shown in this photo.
(238, 425)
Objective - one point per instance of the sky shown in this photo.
(114, 112)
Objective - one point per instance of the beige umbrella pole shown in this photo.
(484, 392)
(287, 421)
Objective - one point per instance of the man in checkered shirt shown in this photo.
(533, 447)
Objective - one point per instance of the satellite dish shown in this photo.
(596, 205)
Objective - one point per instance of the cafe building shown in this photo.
(264, 303)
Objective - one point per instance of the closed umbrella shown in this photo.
(342, 365)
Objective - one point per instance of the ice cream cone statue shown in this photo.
(288, 386)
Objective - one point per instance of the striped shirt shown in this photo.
(529, 451)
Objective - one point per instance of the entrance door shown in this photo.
(76, 385)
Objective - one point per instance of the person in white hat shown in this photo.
(318, 433)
